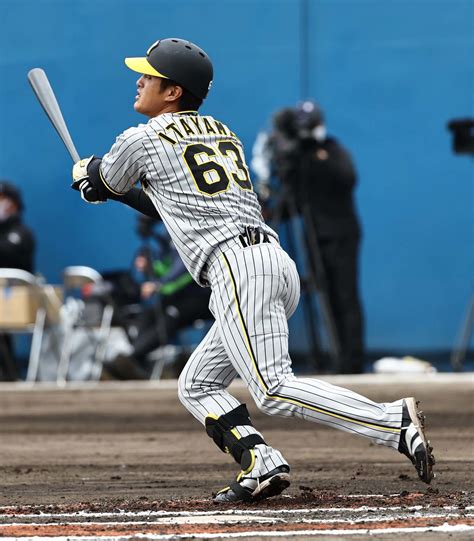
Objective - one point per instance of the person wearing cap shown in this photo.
(17, 250)
(17, 242)
(192, 172)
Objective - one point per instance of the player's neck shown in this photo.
(167, 108)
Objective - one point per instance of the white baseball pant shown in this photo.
(254, 292)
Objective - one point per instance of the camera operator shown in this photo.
(318, 173)
(172, 301)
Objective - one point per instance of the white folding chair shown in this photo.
(19, 277)
(75, 277)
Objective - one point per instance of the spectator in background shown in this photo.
(320, 173)
(173, 301)
(17, 249)
(17, 243)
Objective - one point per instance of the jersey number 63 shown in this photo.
(212, 177)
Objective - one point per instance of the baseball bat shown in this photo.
(42, 88)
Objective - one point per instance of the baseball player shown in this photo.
(193, 175)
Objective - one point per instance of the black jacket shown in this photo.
(17, 245)
(325, 178)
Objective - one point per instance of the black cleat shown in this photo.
(253, 490)
(413, 442)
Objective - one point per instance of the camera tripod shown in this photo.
(300, 226)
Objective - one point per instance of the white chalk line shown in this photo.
(445, 528)
(408, 516)
(361, 509)
(349, 496)
(159, 522)
(218, 519)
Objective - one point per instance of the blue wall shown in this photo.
(388, 74)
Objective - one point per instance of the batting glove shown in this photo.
(88, 193)
(82, 182)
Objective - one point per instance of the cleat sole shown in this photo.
(272, 487)
(418, 420)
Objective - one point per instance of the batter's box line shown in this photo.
(314, 510)
(226, 519)
(445, 528)
(289, 497)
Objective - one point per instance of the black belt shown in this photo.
(252, 236)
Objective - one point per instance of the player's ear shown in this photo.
(174, 92)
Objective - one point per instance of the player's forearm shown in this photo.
(137, 199)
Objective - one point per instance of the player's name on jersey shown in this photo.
(193, 125)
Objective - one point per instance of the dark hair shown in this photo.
(188, 101)
(7, 189)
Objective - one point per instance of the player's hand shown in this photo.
(79, 171)
(88, 193)
(82, 183)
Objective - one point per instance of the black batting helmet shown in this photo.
(178, 60)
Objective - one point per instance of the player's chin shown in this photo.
(138, 106)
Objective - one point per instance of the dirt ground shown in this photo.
(135, 444)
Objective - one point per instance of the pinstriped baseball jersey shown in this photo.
(193, 169)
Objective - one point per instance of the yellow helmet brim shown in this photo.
(141, 65)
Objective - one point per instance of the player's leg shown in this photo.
(257, 290)
(202, 390)
(205, 377)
